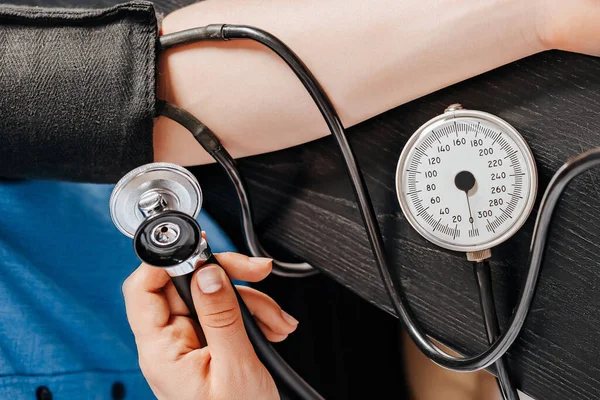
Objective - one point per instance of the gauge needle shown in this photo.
(465, 181)
(470, 213)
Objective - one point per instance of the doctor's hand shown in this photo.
(175, 361)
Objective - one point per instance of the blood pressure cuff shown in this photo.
(77, 91)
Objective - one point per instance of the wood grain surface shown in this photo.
(305, 208)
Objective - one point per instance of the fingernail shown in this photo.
(288, 318)
(280, 338)
(210, 279)
(260, 260)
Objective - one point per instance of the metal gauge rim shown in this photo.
(525, 151)
(172, 178)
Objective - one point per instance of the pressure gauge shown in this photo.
(466, 180)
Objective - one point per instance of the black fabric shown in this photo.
(77, 91)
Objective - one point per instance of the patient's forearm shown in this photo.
(369, 56)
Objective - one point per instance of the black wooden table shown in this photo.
(305, 208)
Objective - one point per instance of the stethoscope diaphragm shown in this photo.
(152, 188)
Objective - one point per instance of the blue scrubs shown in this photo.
(62, 315)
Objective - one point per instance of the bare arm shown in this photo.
(369, 56)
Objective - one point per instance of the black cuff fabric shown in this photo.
(77, 91)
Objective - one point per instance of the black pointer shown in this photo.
(465, 181)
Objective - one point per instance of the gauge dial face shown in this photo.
(466, 180)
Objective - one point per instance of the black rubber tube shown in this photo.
(483, 277)
(391, 282)
(183, 285)
(210, 142)
(295, 270)
(276, 365)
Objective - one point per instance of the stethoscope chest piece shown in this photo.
(152, 189)
(156, 205)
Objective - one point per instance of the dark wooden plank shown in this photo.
(305, 206)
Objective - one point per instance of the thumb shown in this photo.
(219, 315)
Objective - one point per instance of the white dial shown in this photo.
(466, 180)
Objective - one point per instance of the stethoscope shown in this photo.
(156, 205)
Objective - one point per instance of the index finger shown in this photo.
(243, 268)
(240, 267)
(146, 305)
